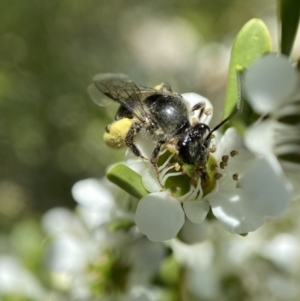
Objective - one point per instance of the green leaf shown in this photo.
(122, 224)
(252, 41)
(288, 13)
(127, 179)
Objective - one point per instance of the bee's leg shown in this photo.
(201, 106)
(154, 159)
(129, 140)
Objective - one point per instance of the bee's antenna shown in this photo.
(221, 123)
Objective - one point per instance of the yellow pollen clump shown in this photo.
(159, 86)
(208, 111)
(116, 132)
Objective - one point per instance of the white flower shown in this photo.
(283, 250)
(270, 82)
(246, 190)
(71, 247)
(159, 215)
(15, 280)
(261, 191)
(97, 201)
(272, 87)
(203, 274)
(82, 244)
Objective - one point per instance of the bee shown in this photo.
(158, 113)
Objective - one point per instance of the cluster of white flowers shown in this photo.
(272, 85)
(84, 251)
(247, 188)
(100, 249)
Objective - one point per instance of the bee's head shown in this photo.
(193, 145)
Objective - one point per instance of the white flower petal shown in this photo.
(232, 141)
(65, 254)
(259, 138)
(292, 172)
(287, 138)
(145, 146)
(200, 260)
(16, 280)
(150, 181)
(265, 182)
(269, 81)
(263, 193)
(59, 219)
(192, 233)
(159, 216)
(196, 211)
(142, 293)
(93, 218)
(199, 255)
(231, 210)
(145, 259)
(283, 250)
(135, 163)
(93, 193)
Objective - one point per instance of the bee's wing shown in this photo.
(98, 98)
(121, 89)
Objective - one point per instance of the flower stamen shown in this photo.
(212, 149)
(234, 153)
(208, 111)
(185, 196)
(217, 176)
(223, 164)
(213, 166)
(198, 192)
(235, 177)
(172, 174)
(225, 158)
(165, 163)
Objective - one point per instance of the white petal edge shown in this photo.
(269, 82)
(196, 211)
(292, 172)
(15, 279)
(159, 216)
(232, 141)
(229, 208)
(259, 138)
(150, 181)
(65, 254)
(93, 193)
(192, 233)
(59, 219)
(267, 185)
(264, 193)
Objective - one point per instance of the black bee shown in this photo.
(158, 113)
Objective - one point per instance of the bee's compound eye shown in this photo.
(116, 132)
(204, 126)
(200, 130)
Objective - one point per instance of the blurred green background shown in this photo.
(50, 130)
